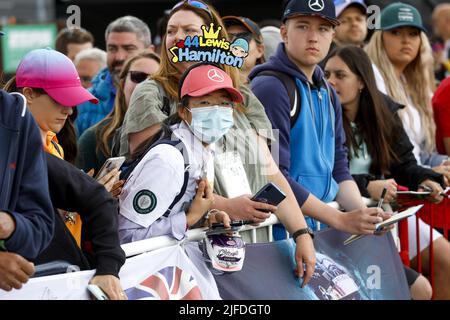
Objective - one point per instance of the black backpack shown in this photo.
(178, 144)
(292, 91)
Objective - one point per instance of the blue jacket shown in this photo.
(89, 113)
(313, 156)
(23, 178)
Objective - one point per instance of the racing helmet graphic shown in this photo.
(226, 251)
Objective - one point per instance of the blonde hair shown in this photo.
(168, 76)
(418, 80)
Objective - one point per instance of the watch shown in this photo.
(300, 232)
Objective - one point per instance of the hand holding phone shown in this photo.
(109, 165)
(270, 194)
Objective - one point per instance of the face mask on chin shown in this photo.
(209, 124)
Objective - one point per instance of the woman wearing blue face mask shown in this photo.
(169, 186)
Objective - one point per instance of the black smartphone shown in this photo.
(270, 194)
(235, 223)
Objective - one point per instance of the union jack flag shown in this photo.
(170, 283)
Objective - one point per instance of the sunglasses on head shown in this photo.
(245, 35)
(138, 76)
(196, 4)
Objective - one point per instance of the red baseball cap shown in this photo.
(205, 79)
(56, 74)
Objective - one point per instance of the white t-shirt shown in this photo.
(413, 127)
(381, 85)
(154, 184)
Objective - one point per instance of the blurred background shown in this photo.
(31, 24)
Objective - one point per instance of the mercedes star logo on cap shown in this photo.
(215, 76)
(316, 5)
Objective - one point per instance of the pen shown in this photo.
(383, 194)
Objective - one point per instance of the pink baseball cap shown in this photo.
(56, 74)
(205, 79)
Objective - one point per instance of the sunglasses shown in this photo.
(245, 35)
(138, 76)
(196, 4)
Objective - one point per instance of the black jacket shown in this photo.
(23, 178)
(406, 171)
(75, 191)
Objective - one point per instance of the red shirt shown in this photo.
(441, 107)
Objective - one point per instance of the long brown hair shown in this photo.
(168, 76)
(107, 127)
(374, 119)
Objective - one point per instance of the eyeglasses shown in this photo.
(196, 4)
(138, 76)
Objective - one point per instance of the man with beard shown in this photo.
(125, 37)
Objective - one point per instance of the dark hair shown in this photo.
(374, 119)
(72, 35)
(67, 138)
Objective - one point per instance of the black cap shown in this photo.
(321, 8)
(247, 23)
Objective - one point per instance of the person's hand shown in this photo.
(362, 221)
(111, 286)
(243, 208)
(444, 169)
(7, 225)
(218, 216)
(305, 254)
(202, 202)
(435, 188)
(376, 187)
(116, 189)
(109, 179)
(385, 216)
(14, 271)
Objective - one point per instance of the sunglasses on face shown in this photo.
(138, 76)
(196, 4)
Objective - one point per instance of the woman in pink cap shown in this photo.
(50, 83)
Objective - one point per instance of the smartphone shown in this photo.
(235, 223)
(109, 165)
(270, 194)
(96, 292)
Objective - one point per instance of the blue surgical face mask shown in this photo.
(209, 124)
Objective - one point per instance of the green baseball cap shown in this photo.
(400, 14)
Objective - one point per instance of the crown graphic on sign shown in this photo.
(210, 34)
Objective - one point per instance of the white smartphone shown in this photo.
(109, 165)
(96, 292)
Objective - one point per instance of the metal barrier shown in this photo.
(436, 216)
(138, 247)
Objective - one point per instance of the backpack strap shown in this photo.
(179, 145)
(292, 90)
(57, 147)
